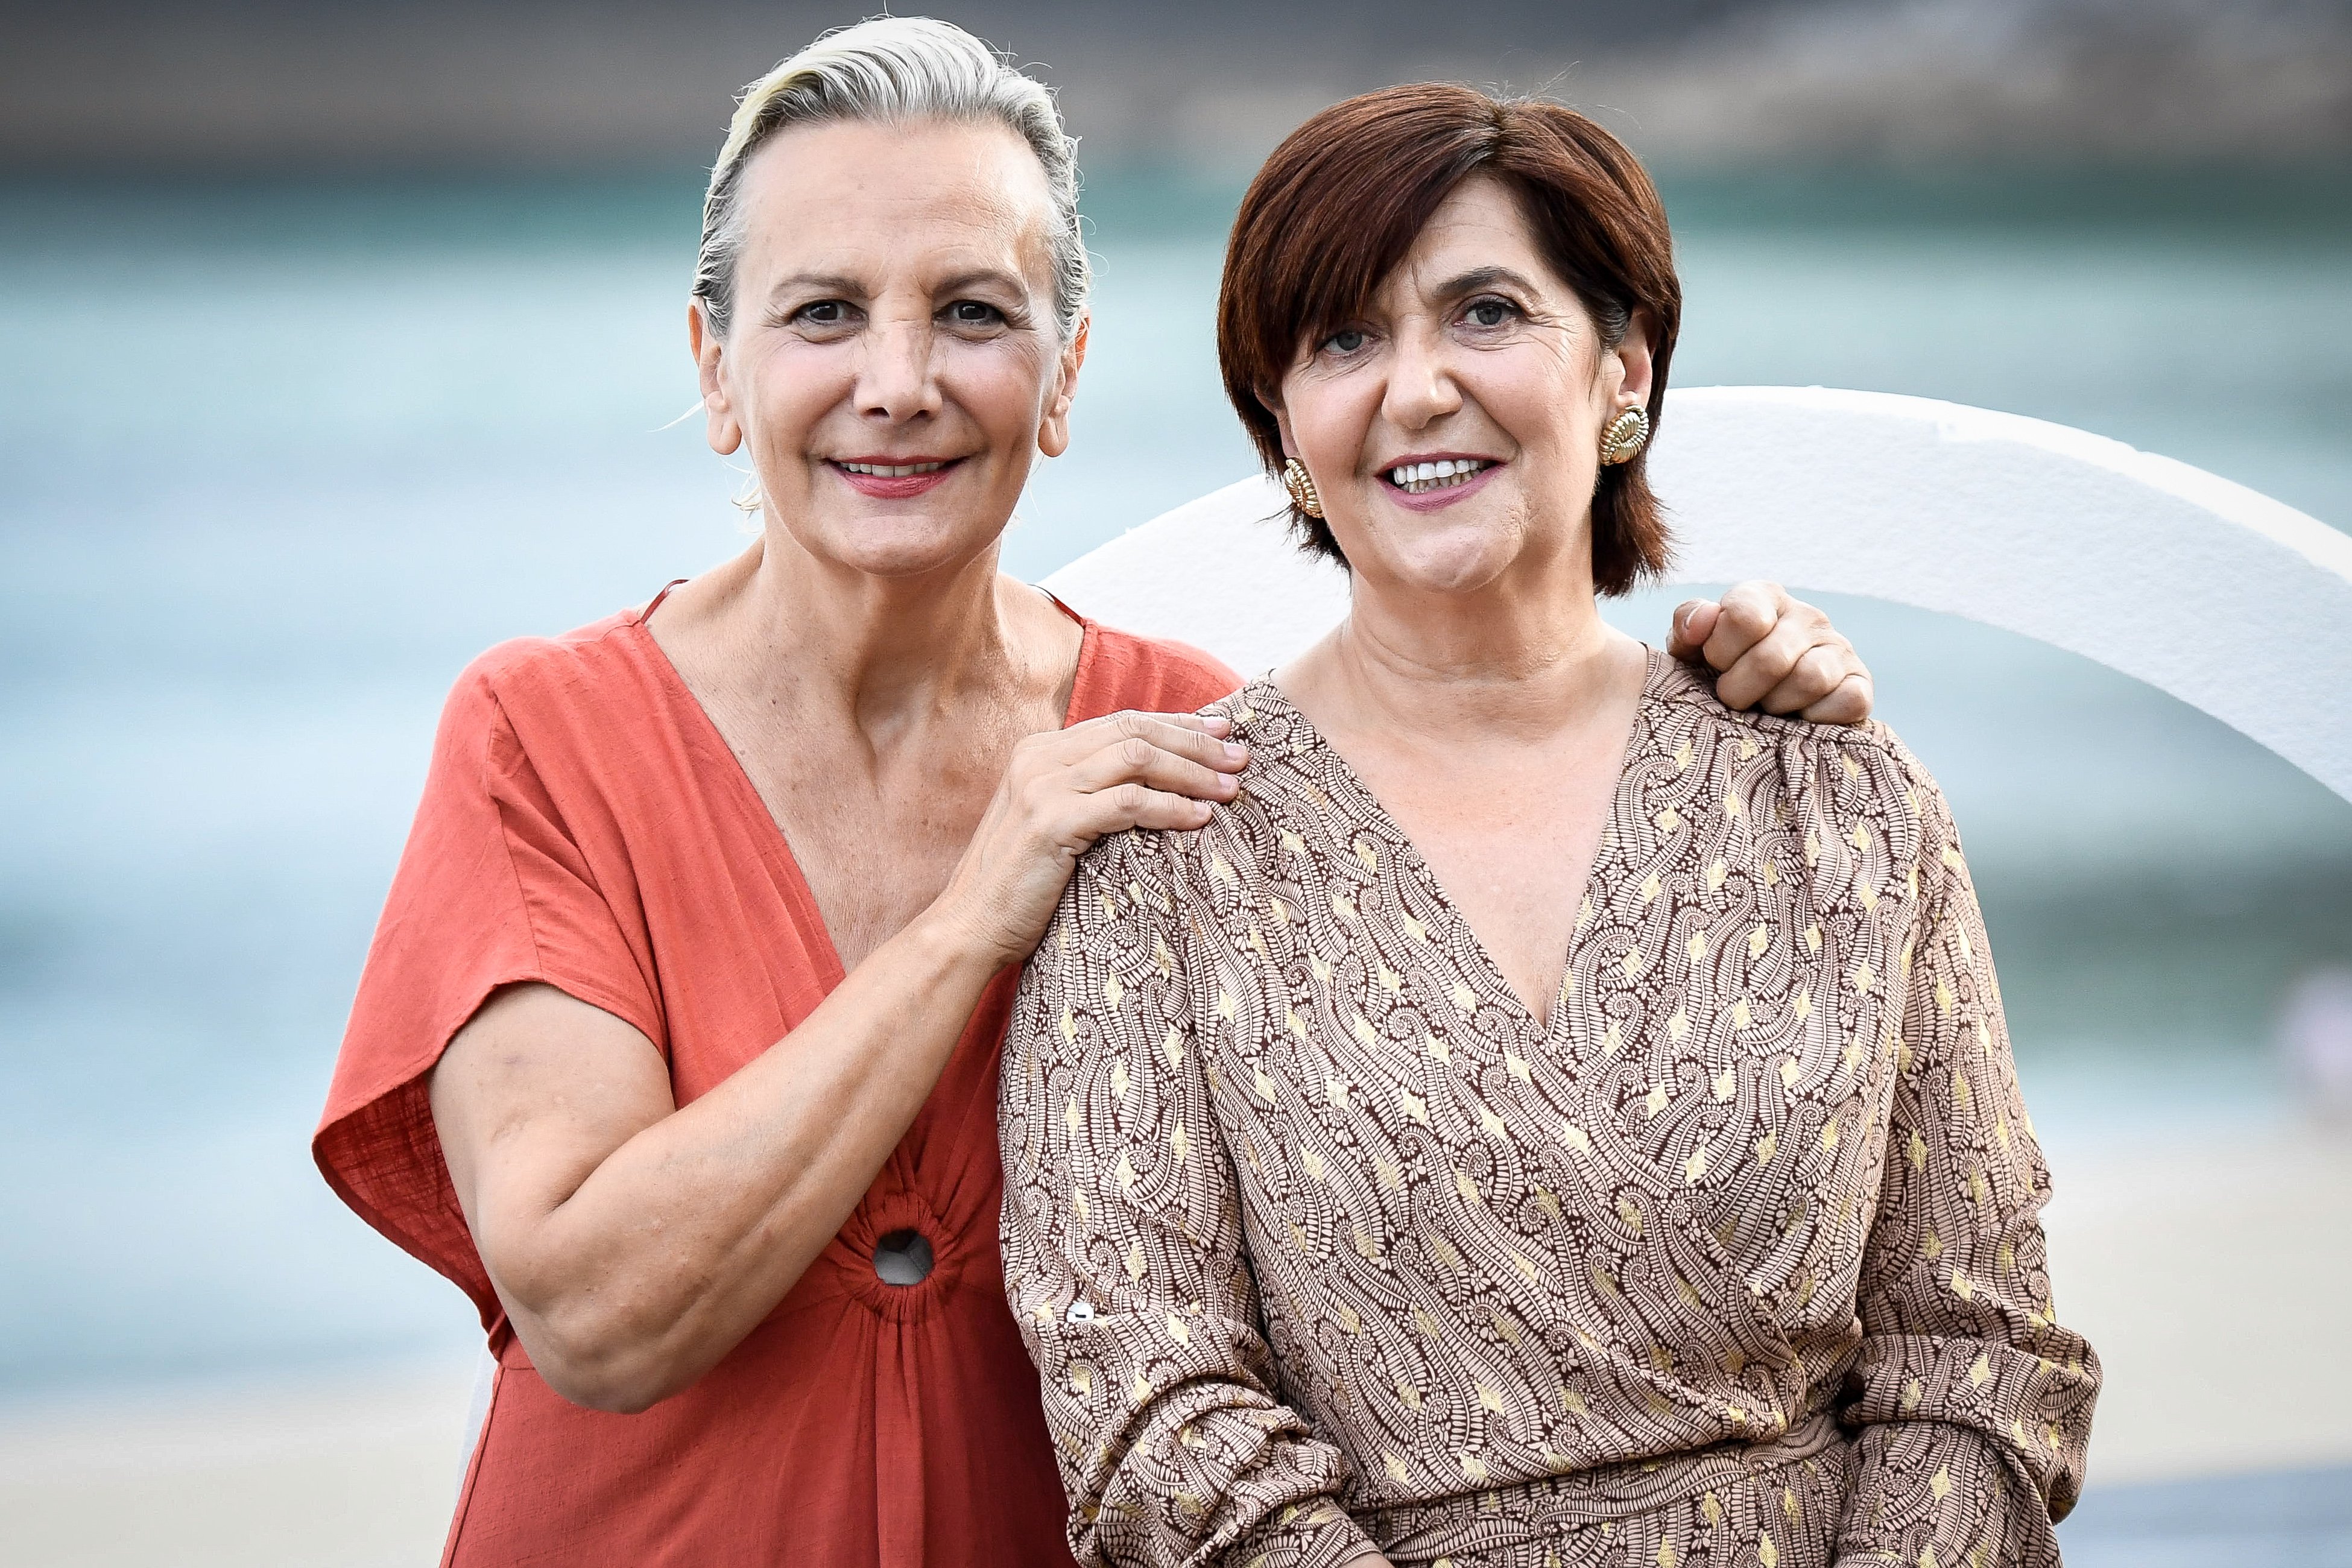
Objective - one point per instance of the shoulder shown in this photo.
(1157, 675)
(551, 690)
(1842, 782)
(578, 661)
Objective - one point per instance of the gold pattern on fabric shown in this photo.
(1321, 1243)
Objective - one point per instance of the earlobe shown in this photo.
(1054, 429)
(723, 431)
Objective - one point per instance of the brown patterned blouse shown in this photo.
(1321, 1243)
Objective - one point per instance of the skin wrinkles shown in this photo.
(976, 206)
(896, 703)
(1473, 685)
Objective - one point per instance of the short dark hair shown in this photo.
(1342, 201)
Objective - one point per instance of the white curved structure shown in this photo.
(2221, 596)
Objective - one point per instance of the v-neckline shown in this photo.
(774, 844)
(1613, 828)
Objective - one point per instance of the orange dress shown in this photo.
(584, 825)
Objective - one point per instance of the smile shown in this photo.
(895, 471)
(1419, 479)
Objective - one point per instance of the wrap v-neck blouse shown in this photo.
(584, 825)
(1321, 1243)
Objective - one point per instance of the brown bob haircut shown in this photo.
(1342, 201)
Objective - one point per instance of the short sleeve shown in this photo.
(492, 889)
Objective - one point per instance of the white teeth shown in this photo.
(1416, 478)
(894, 471)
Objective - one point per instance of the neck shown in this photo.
(874, 652)
(1514, 660)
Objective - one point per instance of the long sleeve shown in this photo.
(1125, 1260)
(1972, 1406)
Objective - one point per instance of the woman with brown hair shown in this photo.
(1546, 1117)
(676, 1048)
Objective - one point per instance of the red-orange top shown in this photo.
(584, 825)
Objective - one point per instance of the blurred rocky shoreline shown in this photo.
(432, 84)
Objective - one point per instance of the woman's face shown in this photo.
(1474, 353)
(894, 309)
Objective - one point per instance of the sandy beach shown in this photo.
(2210, 1272)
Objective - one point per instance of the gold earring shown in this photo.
(1625, 435)
(1301, 486)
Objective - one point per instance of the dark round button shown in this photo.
(903, 1258)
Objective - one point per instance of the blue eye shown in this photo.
(1346, 341)
(1489, 313)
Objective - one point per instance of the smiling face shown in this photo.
(894, 363)
(1454, 431)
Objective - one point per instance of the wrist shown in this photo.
(954, 940)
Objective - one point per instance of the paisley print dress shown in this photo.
(1322, 1244)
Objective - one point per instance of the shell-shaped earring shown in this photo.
(1301, 486)
(1625, 435)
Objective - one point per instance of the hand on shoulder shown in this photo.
(1774, 652)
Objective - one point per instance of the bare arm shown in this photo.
(633, 1242)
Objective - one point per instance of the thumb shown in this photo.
(1694, 623)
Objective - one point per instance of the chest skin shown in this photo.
(877, 803)
(878, 829)
(1512, 842)
(1509, 827)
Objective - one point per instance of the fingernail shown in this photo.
(1219, 724)
(1235, 752)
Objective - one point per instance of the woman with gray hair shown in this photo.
(677, 1048)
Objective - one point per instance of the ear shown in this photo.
(726, 432)
(1054, 429)
(1272, 403)
(1633, 357)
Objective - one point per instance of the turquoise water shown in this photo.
(275, 461)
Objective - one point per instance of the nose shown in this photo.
(1421, 386)
(896, 382)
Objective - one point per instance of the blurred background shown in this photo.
(337, 343)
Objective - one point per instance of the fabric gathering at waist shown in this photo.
(1469, 1523)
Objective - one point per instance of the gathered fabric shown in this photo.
(1322, 1242)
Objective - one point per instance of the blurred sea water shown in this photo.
(275, 461)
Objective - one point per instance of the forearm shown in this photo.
(628, 1288)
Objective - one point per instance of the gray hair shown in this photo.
(892, 71)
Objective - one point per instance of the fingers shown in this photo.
(1747, 613)
(1782, 655)
(1136, 760)
(1190, 735)
(1817, 672)
(1126, 806)
(1849, 703)
(1693, 621)
(1758, 670)
(1128, 770)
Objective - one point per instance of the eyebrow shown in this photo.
(823, 282)
(983, 275)
(850, 287)
(1479, 278)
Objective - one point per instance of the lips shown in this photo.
(885, 478)
(1442, 473)
(1427, 484)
